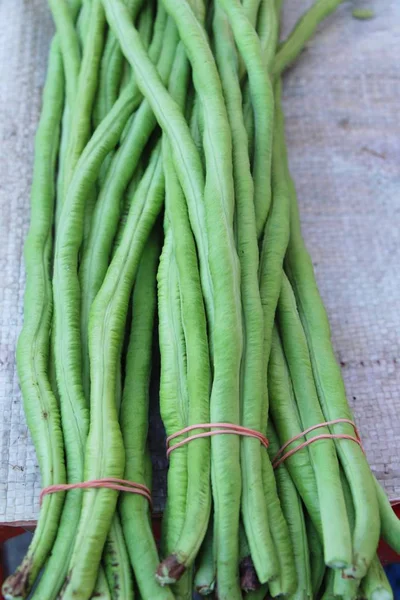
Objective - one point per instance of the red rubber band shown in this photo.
(221, 428)
(279, 458)
(112, 483)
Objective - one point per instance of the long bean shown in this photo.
(63, 16)
(317, 563)
(331, 393)
(335, 526)
(111, 68)
(346, 587)
(134, 424)
(81, 110)
(116, 563)
(101, 590)
(198, 379)
(223, 260)
(287, 422)
(95, 259)
(254, 508)
(375, 585)
(293, 512)
(262, 95)
(66, 286)
(204, 579)
(104, 451)
(302, 32)
(173, 404)
(41, 408)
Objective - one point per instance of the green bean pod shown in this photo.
(226, 331)
(63, 16)
(66, 294)
(335, 525)
(331, 393)
(173, 404)
(107, 212)
(204, 579)
(104, 450)
(101, 590)
(116, 563)
(186, 157)
(328, 593)
(287, 422)
(390, 523)
(198, 377)
(345, 587)
(134, 509)
(254, 508)
(80, 124)
(111, 68)
(293, 512)
(262, 95)
(317, 563)
(82, 24)
(40, 405)
(375, 585)
(302, 32)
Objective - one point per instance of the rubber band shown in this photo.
(219, 428)
(112, 483)
(279, 458)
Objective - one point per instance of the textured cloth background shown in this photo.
(343, 129)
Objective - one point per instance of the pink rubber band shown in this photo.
(221, 428)
(112, 483)
(280, 457)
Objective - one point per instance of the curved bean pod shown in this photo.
(346, 588)
(81, 110)
(302, 32)
(254, 508)
(173, 402)
(375, 585)
(134, 509)
(287, 422)
(63, 16)
(204, 579)
(104, 450)
(116, 562)
(262, 95)
(101, 590)
(331, 393)
(40, 405)
(186, 157)
(198, 377)
(111, 68)
(66, 286)
(226, 330)
(335, 525)
(316, 557)
(107, 212)
(293, 512)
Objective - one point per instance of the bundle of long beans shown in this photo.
(162, 202)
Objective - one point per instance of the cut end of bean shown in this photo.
(358, 570)
(205, 590)
(249, 581)
(16, 586)
(170, 570)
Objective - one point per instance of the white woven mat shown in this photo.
(343, 130)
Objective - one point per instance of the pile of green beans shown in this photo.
(164, 220)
